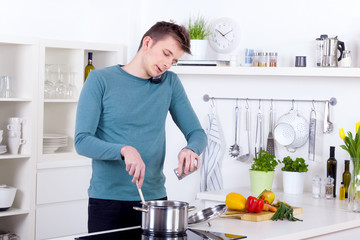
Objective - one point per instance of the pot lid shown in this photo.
(207, 214)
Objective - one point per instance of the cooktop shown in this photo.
(136, 233)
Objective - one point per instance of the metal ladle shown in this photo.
(235, 149)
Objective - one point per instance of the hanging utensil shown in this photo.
(258, 133)
(312, 133)
(235, 149)
(270, 146)
(246, 155)
(328, 125)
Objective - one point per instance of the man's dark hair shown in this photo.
(164, 29)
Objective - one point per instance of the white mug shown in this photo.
(14, 144)
(15, 120)
(14, 134)
(14, 127)
(1, 135)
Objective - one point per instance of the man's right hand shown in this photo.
(134, 164)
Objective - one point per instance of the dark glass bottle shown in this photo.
(331, 167)
(346, 177)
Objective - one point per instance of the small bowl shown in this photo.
(7, 196)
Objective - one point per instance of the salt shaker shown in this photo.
(316, 187)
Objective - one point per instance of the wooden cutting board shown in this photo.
(255, 217)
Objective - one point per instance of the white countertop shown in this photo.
(322, 219)
(320, 216)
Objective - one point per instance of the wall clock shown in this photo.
(224, 35)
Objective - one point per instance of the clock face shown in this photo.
(225, 35)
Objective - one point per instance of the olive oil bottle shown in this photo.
(331, 168)
(346, 177)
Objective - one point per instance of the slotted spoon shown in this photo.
(235, 149)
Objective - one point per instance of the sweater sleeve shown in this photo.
(87, 119)
(185, 118)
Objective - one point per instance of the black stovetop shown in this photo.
(138, 234)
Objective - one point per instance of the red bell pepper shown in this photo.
(254, 205)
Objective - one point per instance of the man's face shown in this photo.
(160, 55)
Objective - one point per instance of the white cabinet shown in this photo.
(62, 197)
(48, 184)
(19, 59)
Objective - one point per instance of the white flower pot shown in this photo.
(199, 50)
(293, 182)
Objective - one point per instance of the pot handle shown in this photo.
(141, 209)
(191, 208)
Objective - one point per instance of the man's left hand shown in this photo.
(187, 158)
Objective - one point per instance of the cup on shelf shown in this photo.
(5, 86)
(1, 135)
(16, 120)
(300, 61)
(14, 144)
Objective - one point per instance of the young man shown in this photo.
(120, 124)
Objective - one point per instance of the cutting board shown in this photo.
(255, 217)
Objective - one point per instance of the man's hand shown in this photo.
(134, 164)
(187, 159)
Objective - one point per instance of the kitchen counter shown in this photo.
(322, 218)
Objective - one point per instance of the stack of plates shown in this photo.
(3, 149)
(53, 141)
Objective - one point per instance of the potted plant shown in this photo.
(262, 172)
(199, 31)
(294, 175)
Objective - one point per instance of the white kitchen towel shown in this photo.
(211, 177)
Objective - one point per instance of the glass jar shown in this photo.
(316, 187)
(263, 59)
(346, 59)
(255, 60)
(272, 59)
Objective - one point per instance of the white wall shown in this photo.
(288, 27)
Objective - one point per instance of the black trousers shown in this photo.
(113, 214)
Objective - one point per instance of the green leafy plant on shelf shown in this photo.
(264, 162)
(198, 28)
(297, 165)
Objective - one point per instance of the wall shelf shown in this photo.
(268, 71)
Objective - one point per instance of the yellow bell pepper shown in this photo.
(235, 201)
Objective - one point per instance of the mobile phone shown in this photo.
(156, 79)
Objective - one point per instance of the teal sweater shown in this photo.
(117, 109)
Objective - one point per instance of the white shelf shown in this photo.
(13, 212)
(15, 100)
(60, 160)
(268, 71)
(60, 100)
(14, 156)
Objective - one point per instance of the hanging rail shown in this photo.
(332, 100)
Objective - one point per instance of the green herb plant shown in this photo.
(264, 162)
(297, 165)
(198, 28)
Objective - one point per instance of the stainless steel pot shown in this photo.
(165, 217)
